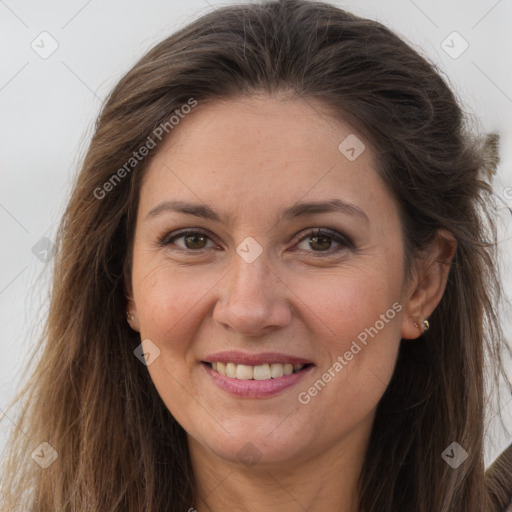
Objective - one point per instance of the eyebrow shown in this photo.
(295, 211)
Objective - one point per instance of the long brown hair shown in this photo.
(118, 447)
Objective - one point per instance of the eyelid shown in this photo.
(339, 238)
(165, 240)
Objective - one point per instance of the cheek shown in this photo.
(358, 319)
(170, 306)
(168, 302)
(348, 303)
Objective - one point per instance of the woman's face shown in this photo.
(254, 289)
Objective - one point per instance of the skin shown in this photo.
(249, 158)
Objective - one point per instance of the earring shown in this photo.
(426, 325)
(129, 316)
(415, 325)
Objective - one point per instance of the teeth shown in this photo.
(276, 370)
(259, 372)
(244, 372)
(262, 372)
(231, 370)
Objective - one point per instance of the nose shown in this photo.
(253, 299)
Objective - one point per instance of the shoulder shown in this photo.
(498, 479)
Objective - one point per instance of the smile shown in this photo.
(246, 375)
(265, 371)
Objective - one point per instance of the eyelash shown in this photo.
(345, 242)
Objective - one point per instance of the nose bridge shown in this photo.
(250, 281)
(251, 297)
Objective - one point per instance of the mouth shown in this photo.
(260, 372)
(250, 375)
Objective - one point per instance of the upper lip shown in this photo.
(236, 357)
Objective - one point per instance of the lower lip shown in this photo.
(256, 388)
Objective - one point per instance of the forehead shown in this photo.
(257, 153)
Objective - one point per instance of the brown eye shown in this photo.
(192, 240)
(195, 241)
(321, 240)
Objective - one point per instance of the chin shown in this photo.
(253, 445)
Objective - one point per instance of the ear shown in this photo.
(427, 285)
(131, 308)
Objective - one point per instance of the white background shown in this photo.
(48, 107)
